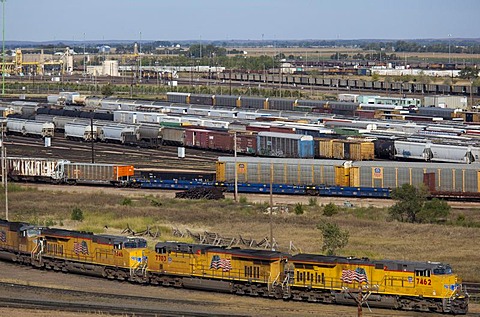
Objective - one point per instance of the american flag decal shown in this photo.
(3, 236)
(358, 275)
(218, 263)
(80, 247)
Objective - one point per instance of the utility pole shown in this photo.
(3, 47)
(3, 150)
(92, 137)
(235, 193)
(271, 205)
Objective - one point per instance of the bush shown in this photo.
(312, 201)
(434, 211)
(77, 214)
(333, 237)
(155, 203)
(243, 200)
(330, 209)
(126, 201)
(299, 210)
(49, 223)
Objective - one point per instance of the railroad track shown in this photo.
(77, 151)
(473, 290)
(95, 302)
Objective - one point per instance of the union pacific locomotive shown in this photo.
(423, 286)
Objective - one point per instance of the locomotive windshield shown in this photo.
(442, 270)
(135, 243)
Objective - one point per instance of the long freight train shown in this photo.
(422, 286)
(254, 175)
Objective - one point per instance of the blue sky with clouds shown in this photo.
(45, 20)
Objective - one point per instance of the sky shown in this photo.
(47, 20)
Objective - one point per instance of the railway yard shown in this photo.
(207, 149)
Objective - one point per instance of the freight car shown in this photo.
(66, 172)
(31, 169)
(285, 145)
(315, 175)
(83, 131)
(423, 286)
(93, 173)
(30, 127)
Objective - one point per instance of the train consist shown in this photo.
(351, 84)
(254, 175)
(421, 286)
(337, 177)
(66, 172)
(270, 133)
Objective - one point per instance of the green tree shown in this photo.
(470, 73)
(107, 90)
(330, 209)
(433, 211)
(77, 214)
(410, 201)
(412, 206)
(333, 237)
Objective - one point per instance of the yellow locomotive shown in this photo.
(423, 286)
(73, 251)
(240, 271)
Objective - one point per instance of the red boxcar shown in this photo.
(247, 143)
(209, 139)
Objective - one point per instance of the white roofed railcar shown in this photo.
(16, 126)
(40, 129)
(117, 133)
(82, 131)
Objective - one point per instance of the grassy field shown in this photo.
(371, 234)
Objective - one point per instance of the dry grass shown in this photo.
(370, 234)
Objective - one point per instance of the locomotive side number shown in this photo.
(424, 281)
(161, 258)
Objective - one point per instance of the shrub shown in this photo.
(243, 200)
(77, 214)
(312, 201)
(155, 203)
(126, 201)
(49, 223)
(333, 237)
(434, 211)
(299, 210)
(330, 209)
